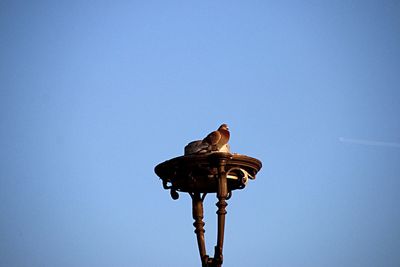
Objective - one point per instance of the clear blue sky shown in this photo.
(94, 94)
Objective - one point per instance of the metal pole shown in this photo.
(198, 215)
(222, 195)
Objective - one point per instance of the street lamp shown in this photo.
(201, 174)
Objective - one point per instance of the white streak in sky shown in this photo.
(368, 142)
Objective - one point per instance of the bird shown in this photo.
(217, 139)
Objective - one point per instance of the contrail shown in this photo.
(368, 142)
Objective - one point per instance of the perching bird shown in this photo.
(217, 139)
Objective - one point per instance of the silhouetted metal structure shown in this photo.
(198, 175)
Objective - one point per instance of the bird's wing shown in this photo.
(213, 138)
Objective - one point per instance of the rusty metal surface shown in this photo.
(198, 173)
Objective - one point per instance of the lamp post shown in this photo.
(202, 174)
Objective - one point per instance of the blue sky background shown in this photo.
(94, 94)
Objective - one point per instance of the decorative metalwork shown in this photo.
(201, 174)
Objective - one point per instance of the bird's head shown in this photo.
(223, 127)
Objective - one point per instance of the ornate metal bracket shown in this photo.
(198, 175)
